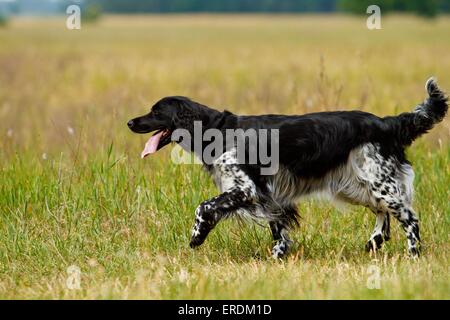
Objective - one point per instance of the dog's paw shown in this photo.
(414, 252)
(277, 254)
(375, 243)
(204, 223)
(196, 242)
(199, 234)
(281, 249)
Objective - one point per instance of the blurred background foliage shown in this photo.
(3, 20)
(429, 8)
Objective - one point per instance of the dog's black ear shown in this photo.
(179, 119)
(188, 111)
(184, 115)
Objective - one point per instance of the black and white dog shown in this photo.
(351, 156)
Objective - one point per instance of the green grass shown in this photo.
(125, 222)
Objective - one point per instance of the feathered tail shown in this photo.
(410, 125)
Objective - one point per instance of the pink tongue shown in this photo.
(152, 144)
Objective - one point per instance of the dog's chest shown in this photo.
(228, 175)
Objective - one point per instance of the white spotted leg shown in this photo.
(380, 233)
(210, 212)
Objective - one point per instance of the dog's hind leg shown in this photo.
(281, 238)
(386, 228)
(404, 214)
(280, 228)
(391, 193)
(385, 185)
(410, 224)
(381, 231)
(393, 197)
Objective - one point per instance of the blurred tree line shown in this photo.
(92, 9)
(428, 8)
(136, 6)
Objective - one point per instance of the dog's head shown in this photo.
(169, 114)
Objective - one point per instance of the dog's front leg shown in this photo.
(210, 212)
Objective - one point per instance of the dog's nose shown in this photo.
(130, 124)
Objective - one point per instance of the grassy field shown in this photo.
(74, 192)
